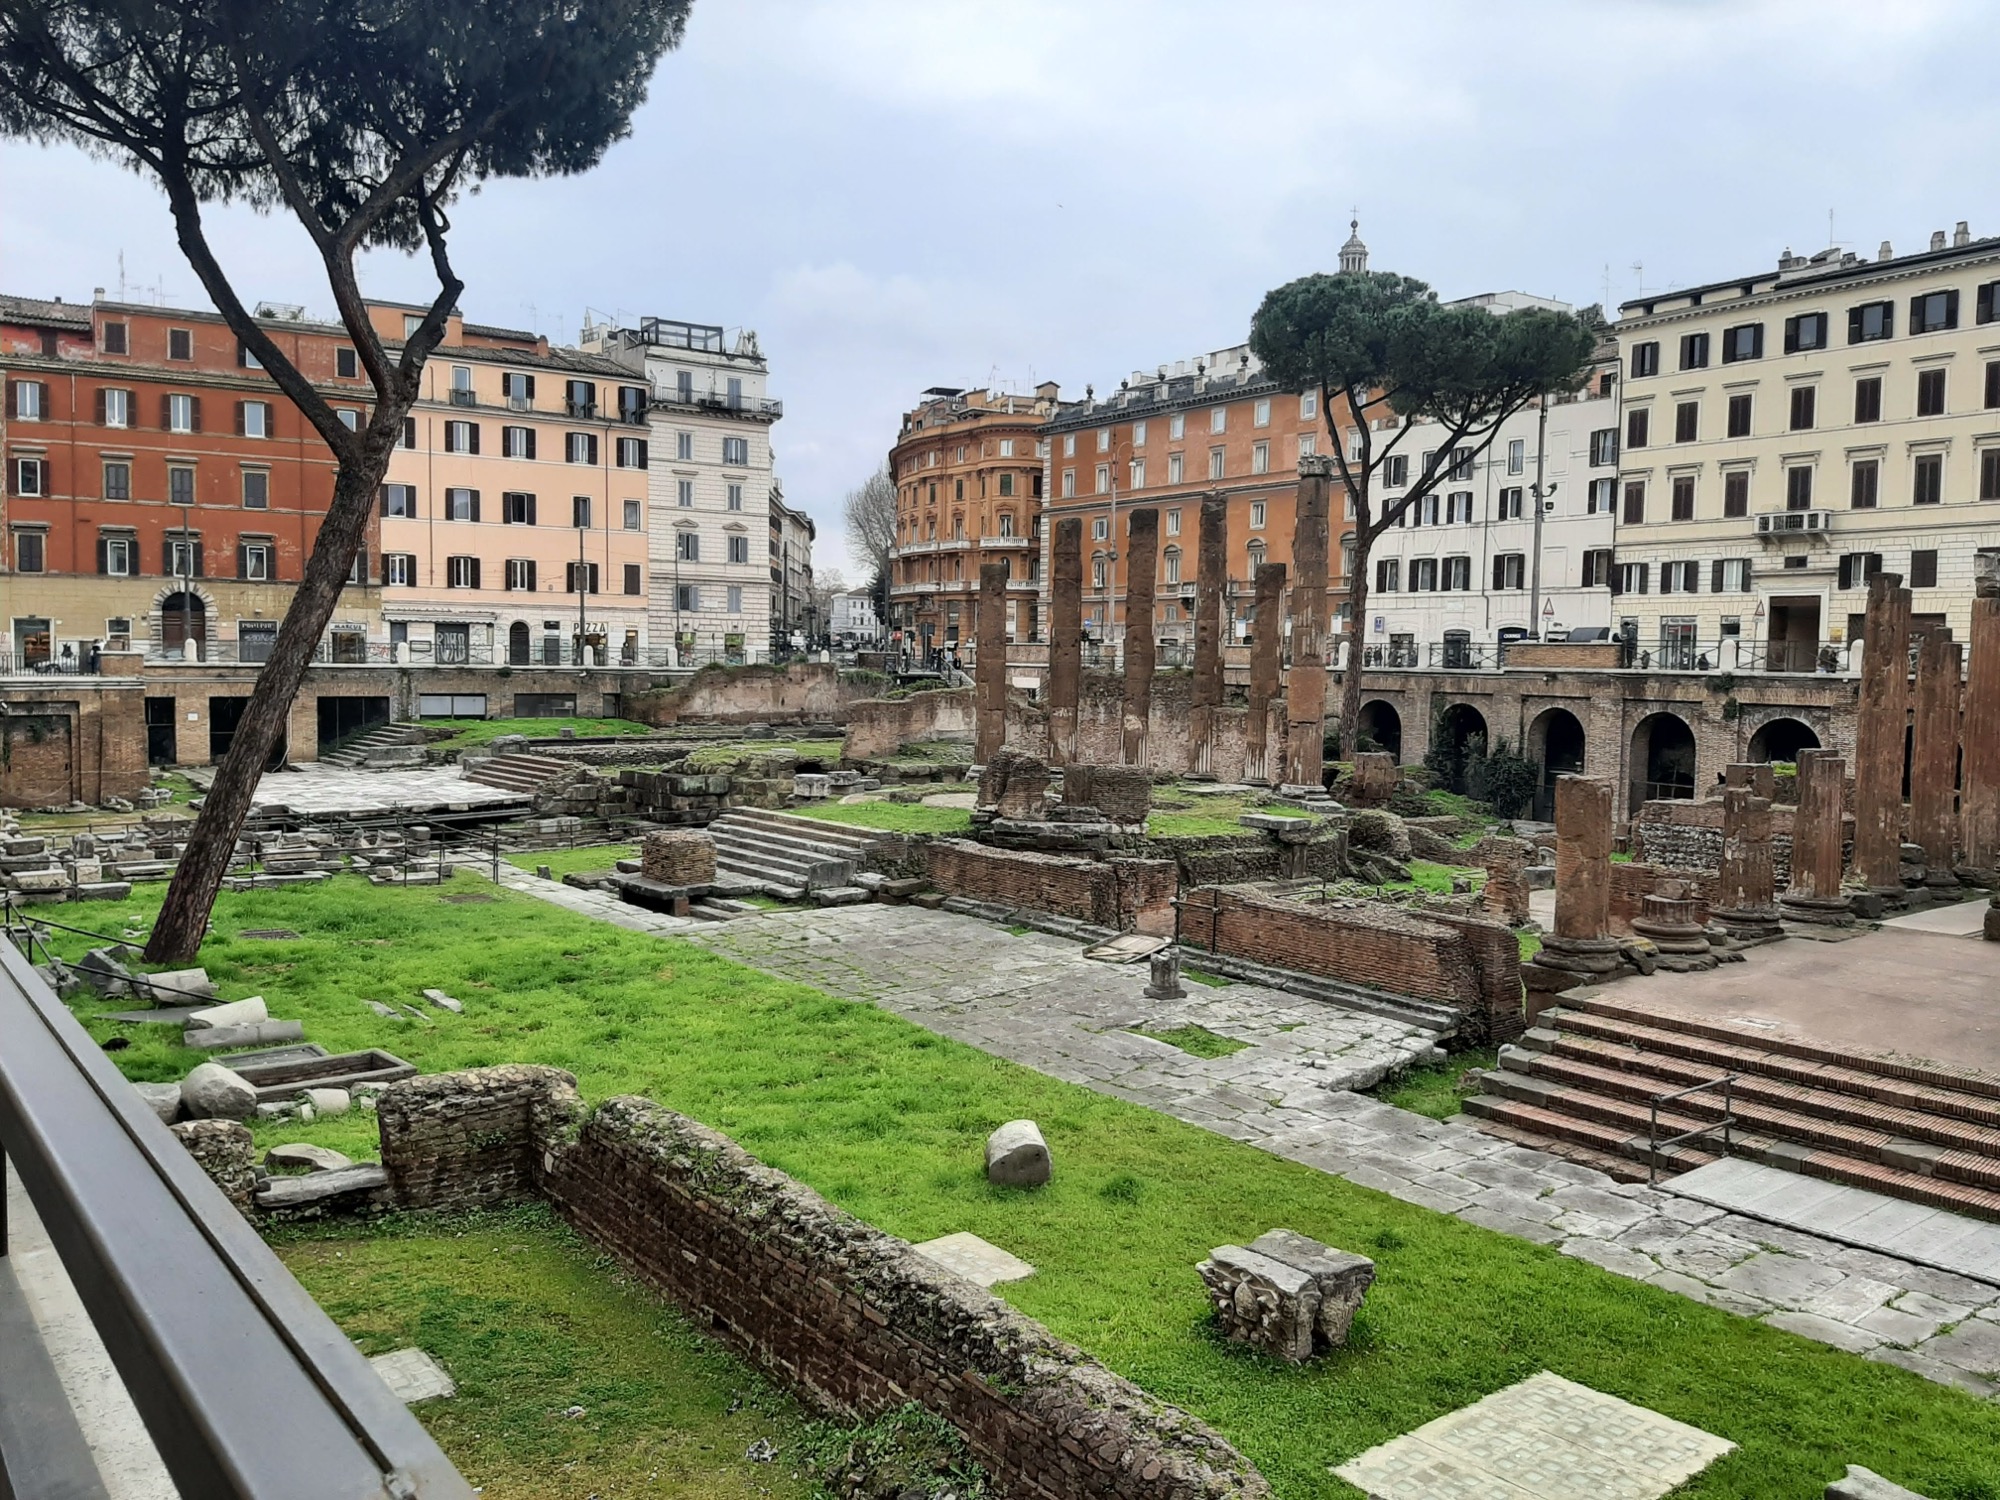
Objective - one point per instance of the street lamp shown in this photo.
(187, 583)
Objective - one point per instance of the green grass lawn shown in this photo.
(530, 1322)
(891, 817)
(1433, 1089)
(563, 862)
(473, 733)
(1208, 817)
(1436, 878)
(1196, 1041)
(888, 1120)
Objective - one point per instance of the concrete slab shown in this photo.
(974, 1259)
(323, 790)
(1850, 1215)
(1962, 919)
(1544, 1439)
(413, 1376)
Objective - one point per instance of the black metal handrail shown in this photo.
(205, 1326)
(1654, 1145)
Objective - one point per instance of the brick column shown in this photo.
(1305, 689)
(1065, 638)
(1581, 949)
(1881, 727)
(1211, 584)
(1817, 835)
(1266, 639)
(1745, 902)
(990, 683)
(1934, 758)
(1142, 572)
(1979, 800)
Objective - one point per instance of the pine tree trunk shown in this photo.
(183, 919)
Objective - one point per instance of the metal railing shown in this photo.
(22, 664)
(208, 1331)
(1654, 1144)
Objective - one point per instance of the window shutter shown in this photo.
(1854, 325)
(13, 398)
(531, 510)
(1951, 308)
(1791, 335)
(103, 554)
(239, 417)
(475, 567)
(409, 432)
(1916, 313)
(644, 459)
(1715, 576)
(531, 576)
(1993, 384)
(569, 578)
(199, 570)
(382, 497)
(356, 573)
(194, 414)
(166, 413)
(472, 432)
(242, 559)
(1983, 304)
(475, 498)
(100, 406)
(1499, 570)
(531, 442)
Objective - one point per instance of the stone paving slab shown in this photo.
(336, 791)
(1544, 1439)
(980, 1263)
(1960, 919)
(413, 1376)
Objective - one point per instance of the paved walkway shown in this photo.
(1037, 1001)
(322, 790)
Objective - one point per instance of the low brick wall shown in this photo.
(1127, 895)
(852, 1320)
(226, 1153)
(1687, 835)
(1632, 883)
(1465, 962)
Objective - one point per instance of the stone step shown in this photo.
(779, 878)
(1606, 1143)
(811, 829)
(781, 844)
(1507, 1128)
(516, 773)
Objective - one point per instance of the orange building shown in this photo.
(1165, 439)
(969, 490)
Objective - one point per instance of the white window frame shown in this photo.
(399, 570)
(180, 413)
(1258, 512)
(1260, 412)
(117, 407)
(1260, 458)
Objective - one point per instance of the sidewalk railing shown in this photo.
(1655, 1143)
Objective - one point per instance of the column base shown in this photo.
(1816, 911)
(1750, 926)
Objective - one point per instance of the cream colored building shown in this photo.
(1789, 432)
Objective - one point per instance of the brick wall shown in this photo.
(1470, 964)
(1557, 654)
(850, 1319)
(1632, 883)
(81, 740)
(1124, 894)
(1684, 835)
(803, 692)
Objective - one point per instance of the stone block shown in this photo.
(1866, 1484)
(317, 1187)
(1122, 794)
(679, 857)
(1261, 1302)
(443, 1001)
(250, 1012)
(213, 1092)
(327, 1101)
(38, 880)
(175, 986)
(164, 1099)
(1342, 1277)
(299, 1154)
(261, 1034)
(1017, 1156)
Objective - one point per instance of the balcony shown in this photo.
(1006, 543)
(520, 403)
(464, 398)
(1793, 522)
(1726, 654)
(580, 409)
(721, 401)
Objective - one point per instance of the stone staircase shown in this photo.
(1580, 1082)
(517, 772)
(384, 746)
(785, 855)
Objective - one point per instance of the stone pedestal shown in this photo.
(1014, 784)
(1164, 980)
(1266, 639)
(1746, 900)
(679, 857)
(1934, 742)
(1670, 924)
(1142, 571)
(1211, 585)
(990, 679)
(1065, 637)
(1505, 897)
(1815, 896)
(1376, 776)
(1284, 1294)
(1581, 948)
(1305, 688)
(1881, 729)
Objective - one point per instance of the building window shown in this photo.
(461, 437)
(1868, 399)
(1635, 503)
(1989, 474)
(30, 552)
(1171, 565)
(1687, 421)
(1597, 568)
(1871, 321)
(399, 570)
(1744, 341)
(1006, 447)
(1006, 523)
(461, 505)
(1176, 427)
(256, 489)
(399, 500)
(1218, 419)
(1260, 413)
(1388, 575)
(183, 413)
(1510, 570)
(733, 497)
(687, 546)
(180, 485)
(1069, 445)
(635, 580)
(409, 432)
(1798, 488)
(1602, 497)
(1682, 497)
(684, 447)
(1423, 575)
(180, 343)
(345, 365)
(1923, 569)
(1260, 458)
(1805, 400)
(1680, 578)
(31, 400)
(517, 442)
(1637, 421)
(253, 562)
(1694, 351)
(1517, 456)
(1731, 575)
(736, 452)
(1928, 488)
(1933, 312)
(118, 554)
(1308, 444)
(580, 447)
(1856, 568)
(1930, 393)
(580, 578)
(349, 418)
(115, 341)
(1138, 480)
(1807, 331)
(1736, 493)
(1604, 446)
(1069, 482)
(739, 549)
(1632, 578)
(1215, 462)
(1175, 470)
(1099, 574)
(1458, 507)
(1510, 504)
(687, 596)
(461, 572)
(1457, 575)
(115, 408)
(579, 512)
(733, 596)
(1645, 360)
(1257, 513)
(631, 453)
(1739, 415)
(1103, 479)
(182, 555)
(635, 517)
(520, 575)
(684, 494)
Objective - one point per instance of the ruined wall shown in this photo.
(801, 693)
(1682, 836)
(78, 740)
(852, 1320)
(1124, 894)
(878, 727)
(1632, 883)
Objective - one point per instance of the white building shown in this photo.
(1468, 568)
(1792, 431)
(709, 585)
(795, 619)
(854, 617)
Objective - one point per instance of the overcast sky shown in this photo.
(904, 193)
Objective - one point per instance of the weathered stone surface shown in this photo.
(1265, 659)
(164, 1099)
(1583, 857)
(990, 669)
(1979, 799)
(1211, 584)
(294, 1155)
(1065, 637)
(1142, 571)
(1375, 778)
(1123, 794)
(1164, 979)
(223, 1149)
(1017, 1156)
(249, 1012)
(1262, 1302)
(1815, 894)
(1505, 897)
(175, 986)
(281, 1193)
(1745, 902)
(327, 1101)
(213, 1092)
(442, 1001)
(1880, 733)
(413, 1376)
(1934, 754)
(1015, 784)
(1866, 1484)
(978, 1262)
(1305, 702)
(256, 1034)
(1342, 1278)
(679, 856)
(104, 972)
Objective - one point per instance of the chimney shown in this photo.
(1962, 235)
(1937, 239)
(97, 294)
(1885, 253)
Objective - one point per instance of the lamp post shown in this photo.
(582, 584)
(187, 583)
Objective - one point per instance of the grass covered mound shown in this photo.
(887, 1120)
(475, 734)
(890, 817)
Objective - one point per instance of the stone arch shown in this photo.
(1381, 723)
(1663, 760)
(170, 623)
(1452, 742)
(1782, 738)
(1556, 743)
(519, 646)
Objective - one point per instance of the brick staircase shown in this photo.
(517, 773)
(1580, 1081)
(385, 745)
(785, 855)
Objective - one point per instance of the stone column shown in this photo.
(1934, 758)
(1142, 573)
(1979, 798)
(1065, 638)
(1581, 949)
(990, 682)
(1211, 588)
(1881, 728)
(1267, 638)
(1505, 896)
(1305, 690)
(1746, 904)
(1815, 894)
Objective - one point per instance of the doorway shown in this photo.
(160, 725)
(183, 618)
(517, 643)
(1793, 642)
(342, 718)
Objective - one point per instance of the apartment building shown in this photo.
(969, 491)
(162, 495)
(795, 618)
(711, 481)
(1472, 566)
(1790, 432)
(513, 516)
(854, 619)
(1165, 438)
